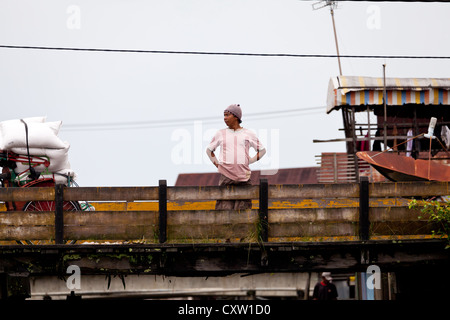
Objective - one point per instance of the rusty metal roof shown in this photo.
(307, 175)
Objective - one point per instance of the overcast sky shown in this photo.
(135, 118)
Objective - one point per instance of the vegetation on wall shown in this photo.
(438, 213)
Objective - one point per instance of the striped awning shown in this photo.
(368, 91)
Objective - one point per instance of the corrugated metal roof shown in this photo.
(357, 91)
(307, 175)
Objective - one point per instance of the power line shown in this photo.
(185, 121)
(389, 0)
(287, 55)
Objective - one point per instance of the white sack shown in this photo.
(40, 134)
(27, 120)
(58, 158)
(9, 122)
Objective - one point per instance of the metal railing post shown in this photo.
(162, 211)
(264, 210)
(364, 222)
(59, 214)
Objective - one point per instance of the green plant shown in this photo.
(439, 213)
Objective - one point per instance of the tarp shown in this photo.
(368, 91)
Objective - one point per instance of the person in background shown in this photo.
(235, 142)
(325, 289)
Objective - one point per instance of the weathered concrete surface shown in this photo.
(152, 286)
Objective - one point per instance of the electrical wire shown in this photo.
(185, 121)
(288, 55)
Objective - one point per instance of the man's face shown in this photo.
(229, 119)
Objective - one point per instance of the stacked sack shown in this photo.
(43, 144)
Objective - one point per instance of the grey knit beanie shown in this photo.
(235, 110)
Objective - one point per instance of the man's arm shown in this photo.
(212, 157)
(258, 156)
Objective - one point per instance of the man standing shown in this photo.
(325, 290)
(235, 142)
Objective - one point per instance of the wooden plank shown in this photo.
(274, 204)
(396, 214)
(311, 203)
(129, 225)
(307, 191)
(120, 206)
(405, 229)
(313, 222)
(335, 203)
(344, 214)
(212, 193)
(110, 218)
(399, 221)
(78, 225)
(112, 232)
(401, 228)
(409, 189)
(28, 225)
(27, 194)
(296, 211)
(191, 205)
(26, 218)
(313, 215)
(111, 193)
(351, 190)
(348, 190)
(111, 225)
(212, 217)
(343, 221)
(153, 206)
(212, 225)
(202, 233)
(317, 229)
(11, 232)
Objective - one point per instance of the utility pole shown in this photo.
(332, 5)
(335, 38)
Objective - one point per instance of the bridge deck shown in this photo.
(176, 231)
(280, 213)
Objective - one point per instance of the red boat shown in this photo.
(400, 168)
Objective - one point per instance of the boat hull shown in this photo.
(400, 168)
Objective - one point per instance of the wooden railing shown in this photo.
(160, 214)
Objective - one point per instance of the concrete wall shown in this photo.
(292, 285)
